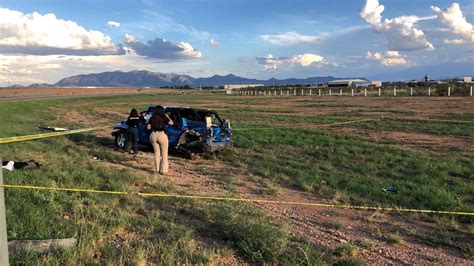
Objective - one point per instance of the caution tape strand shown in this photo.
(47, 135)
(216, 198)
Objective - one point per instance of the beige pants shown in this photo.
(159, 141)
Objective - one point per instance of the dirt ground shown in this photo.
(365, 228)
(62, 92)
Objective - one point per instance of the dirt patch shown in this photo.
(31, 92)
(412, 140)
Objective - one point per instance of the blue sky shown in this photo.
(44, 41)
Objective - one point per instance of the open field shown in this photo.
(284, 150)
(28, 93)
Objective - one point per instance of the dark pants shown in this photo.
(133, 135)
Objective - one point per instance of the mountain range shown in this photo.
(142, 78)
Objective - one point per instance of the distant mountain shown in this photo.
(144, 78)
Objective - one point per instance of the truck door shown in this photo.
(173, 131)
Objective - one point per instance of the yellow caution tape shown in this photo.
(434, 120)
(312, 126)
(278, 202)
(46, 135)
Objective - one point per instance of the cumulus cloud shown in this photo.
(290, 38)
(113, 24)
(214, 43)
(270, 62)
(306, 59)
(389, 58)
(38, 34)
(454, 19)
(400, 32)
(162, 49)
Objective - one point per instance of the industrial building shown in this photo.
(348, 83)
(376, 83)
(230, 88)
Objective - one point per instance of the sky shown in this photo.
(43, 41)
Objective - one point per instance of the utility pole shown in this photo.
(3, 225)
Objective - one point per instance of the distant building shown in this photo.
(376, 83)
(241, 86)
(230, 88)
(467, 79)
(348, 83)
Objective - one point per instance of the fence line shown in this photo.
(396, 91)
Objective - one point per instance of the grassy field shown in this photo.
(279, 142)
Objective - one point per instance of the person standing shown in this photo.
(159, 139)
(133, 121)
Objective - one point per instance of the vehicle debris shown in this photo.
(8, 165)
(390, 190)
(11, 165)
(56, 129)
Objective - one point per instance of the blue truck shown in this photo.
(194, 131)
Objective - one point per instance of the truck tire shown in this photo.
(122, 140)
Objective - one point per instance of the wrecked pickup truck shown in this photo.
(194, 131)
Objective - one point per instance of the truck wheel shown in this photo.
(121, 140)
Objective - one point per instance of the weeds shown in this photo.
(338, 225)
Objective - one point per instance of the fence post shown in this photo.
(330, 92)
(352, 92)
(281, 92)
(302, 92)
(340, 92)
(365, 92)
(310, 91)
(319, 92)
(3, 225)
(380, 91)
(471, 92)
(287, 92)
(411, 91)
(429, 91)
(449, 91)
(394, 90)
(294, 92)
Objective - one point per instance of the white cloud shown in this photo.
(455, 41)
(454, 19)
(290, 38)
(373, 56)
(214, 43)
(399, 32)
(45, 34)
(389, 58)
(113, 24)
(162, 49)
(306, 59)
(270, 62)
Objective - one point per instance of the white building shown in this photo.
(231, 88)
(241, 86)
(467, 79)
(376, 83)
(348, 83)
